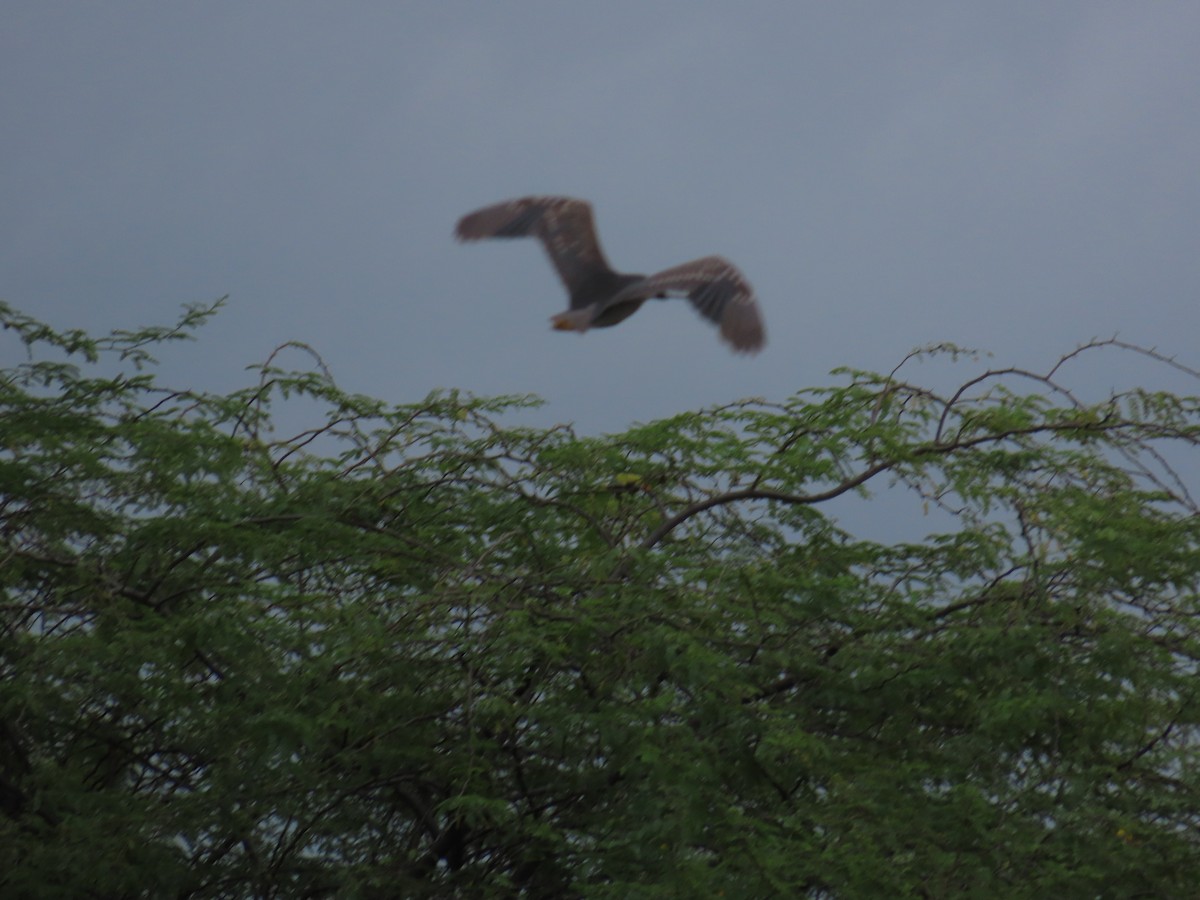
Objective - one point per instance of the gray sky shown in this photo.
(1013, 176)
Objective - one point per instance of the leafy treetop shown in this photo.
(413, 651)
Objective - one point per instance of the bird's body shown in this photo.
(600, 296)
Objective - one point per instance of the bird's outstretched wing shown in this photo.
(564, 225)
(719, 292)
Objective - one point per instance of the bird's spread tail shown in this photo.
(571, 320)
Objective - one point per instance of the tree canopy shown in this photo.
(411, 650)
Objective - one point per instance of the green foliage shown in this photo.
(411, 651)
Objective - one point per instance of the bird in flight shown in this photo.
(601, 297)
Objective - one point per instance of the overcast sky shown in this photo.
(1012, 176)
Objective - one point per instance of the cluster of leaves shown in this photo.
(414, 652)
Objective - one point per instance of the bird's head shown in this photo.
(571, 320)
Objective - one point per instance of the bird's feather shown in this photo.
(719, 292)
(564, 225)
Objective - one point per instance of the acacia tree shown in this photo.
(413, 651)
